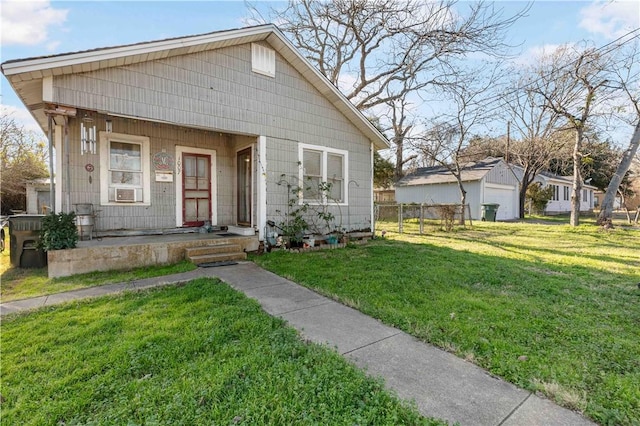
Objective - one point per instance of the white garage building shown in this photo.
(486, 181)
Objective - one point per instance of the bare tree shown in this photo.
(574, 83)
(628, 79)
(378, 52)
(401, 127)
(446, 141)
(23, 157)
(535, 127)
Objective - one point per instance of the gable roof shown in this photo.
(439, 174)
(545, 177)
(550, 178)
(26, 75)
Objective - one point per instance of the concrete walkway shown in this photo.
(442, 385)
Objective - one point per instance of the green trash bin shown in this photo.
(489, 212)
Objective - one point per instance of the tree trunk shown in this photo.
(524, 185)
(399, 162)
(606, 208)
(463, 199)
(522, 200)
(577, 179)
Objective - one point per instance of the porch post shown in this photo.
(67, 176)
(57, 135)
(52, 191)
(373, 207)
(262, 187)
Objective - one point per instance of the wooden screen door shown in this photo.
(196, 189)
(243, 167)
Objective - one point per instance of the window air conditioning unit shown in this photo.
(125, 195)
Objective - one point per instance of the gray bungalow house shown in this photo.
(203, 129)
(486, 181)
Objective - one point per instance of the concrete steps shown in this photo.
(215, 253)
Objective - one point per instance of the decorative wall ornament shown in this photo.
(163, 161)
(88, 144)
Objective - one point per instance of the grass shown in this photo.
(194, 354)
(550, 308)
(19, 283)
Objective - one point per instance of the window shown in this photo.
(125, 171)
(566, 193)
(263, 60)
(585, 194)
(556, 193)
(335, 171)
(312, 174)
(323, 165)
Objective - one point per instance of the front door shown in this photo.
(196, 189)
(244, 175)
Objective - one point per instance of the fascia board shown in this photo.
(109, 53)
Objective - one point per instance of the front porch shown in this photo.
(124, 252)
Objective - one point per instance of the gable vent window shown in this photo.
(263, 60)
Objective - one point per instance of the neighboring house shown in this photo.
(38, 196)
(598, 196)
(384, 195)
(486, 181)
(180, 132)
(562, 187)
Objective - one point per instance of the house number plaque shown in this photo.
(163, 163)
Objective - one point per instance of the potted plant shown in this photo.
(332, 239)
(309, 241)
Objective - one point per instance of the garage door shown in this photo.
(506, 197)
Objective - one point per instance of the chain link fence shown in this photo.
(420, 218)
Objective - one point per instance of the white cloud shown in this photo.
(533, 54)
(611, 19)
(22, 117)
(27, 22)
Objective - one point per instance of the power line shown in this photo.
(605, 49)
(518, 90)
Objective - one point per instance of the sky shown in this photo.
(38, 28)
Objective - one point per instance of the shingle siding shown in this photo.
(501, 175)
(214, 90)
(161, 213)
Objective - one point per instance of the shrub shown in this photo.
(539, 197)
(58, 231)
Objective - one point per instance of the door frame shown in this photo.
(180, 150)
(251, 148)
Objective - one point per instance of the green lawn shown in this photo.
(550, 308)
(194, 354)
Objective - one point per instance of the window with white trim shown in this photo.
(320, 166)
(125, 172)
(566, 193)
(556, 193)
(311, 175)
(335, 176)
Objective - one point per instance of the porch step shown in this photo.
(215, 253)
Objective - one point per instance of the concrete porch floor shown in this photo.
(124, 252)
(153, 238)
